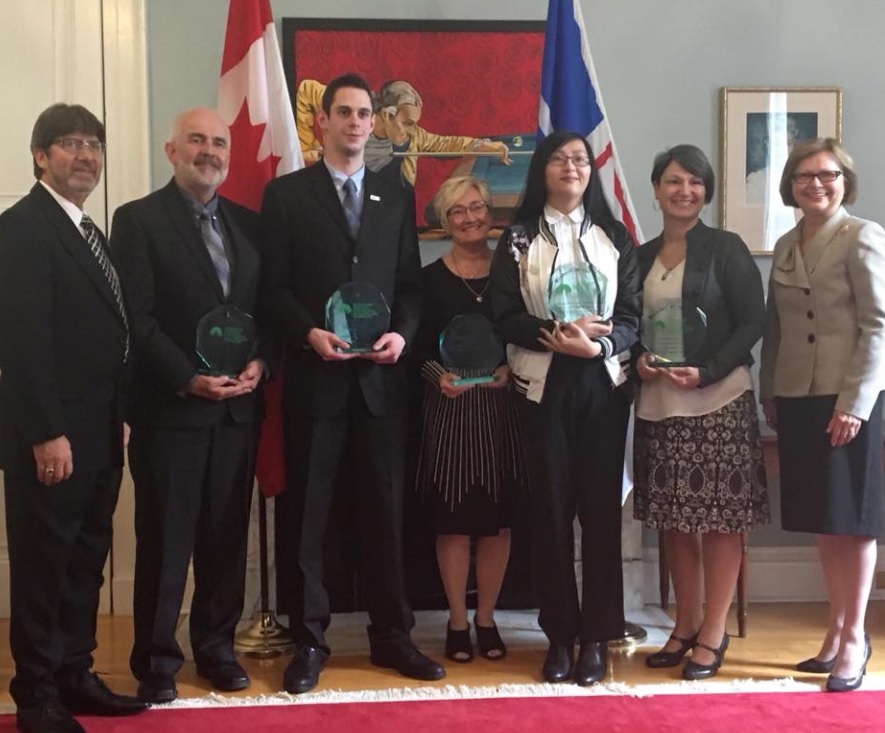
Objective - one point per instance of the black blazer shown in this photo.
(722, 280)
(171, 284)
(62, 340)
(308, 253)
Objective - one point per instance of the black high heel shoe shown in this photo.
(489, 641)
(847, 684)
(694, 671)
(816, 666)
(663, 658)
(458, 645)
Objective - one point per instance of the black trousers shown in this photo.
(192, 495)
(59, 537)
(575, 444)
(315, 451)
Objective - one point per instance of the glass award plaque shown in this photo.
(576, 290)
(470, 347)
(357, 313)
(226, 341)
(672, 335)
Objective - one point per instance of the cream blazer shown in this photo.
(825, 321)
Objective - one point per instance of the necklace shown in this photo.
(478, 297)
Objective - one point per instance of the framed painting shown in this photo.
(451, 98)
(759, 127)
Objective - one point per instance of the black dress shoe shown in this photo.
(48, 716)
(87, 694)
(592, 663)
(662, 659)
(694, 671)
(224, 676)
(157, 688)
(409, 662)
(816, 666)
(303, 672)
(847, 684)
(558, 663)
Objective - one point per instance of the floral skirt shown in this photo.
(701, 474)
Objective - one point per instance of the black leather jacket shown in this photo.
(722, 280)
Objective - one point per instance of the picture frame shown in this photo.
(478, 80)
(759, 127)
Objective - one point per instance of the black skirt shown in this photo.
(829, 490)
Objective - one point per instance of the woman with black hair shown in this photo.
(565, 295)
(698, 471)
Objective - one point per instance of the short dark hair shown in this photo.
(691, 158)
(349, 80)
(535, 196)
(59, 120)
(813, 147)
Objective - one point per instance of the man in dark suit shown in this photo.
(322, 227)
(184, 251)
(63, 351)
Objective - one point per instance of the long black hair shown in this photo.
(535, 196)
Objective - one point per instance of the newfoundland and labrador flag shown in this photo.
(571, 100)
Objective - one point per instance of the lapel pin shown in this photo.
(373, 197)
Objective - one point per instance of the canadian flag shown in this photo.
(254, 102)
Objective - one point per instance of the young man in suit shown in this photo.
(322, 227)
(184, 251)
(63, 350)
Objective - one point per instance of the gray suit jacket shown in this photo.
(825, 325)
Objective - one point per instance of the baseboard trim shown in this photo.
(776, 574)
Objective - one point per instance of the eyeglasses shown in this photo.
(579, 161)
(822, 176)
(477, 208)
(75, 145)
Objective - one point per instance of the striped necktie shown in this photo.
(215, 246)
(351, 206)
(94, 238)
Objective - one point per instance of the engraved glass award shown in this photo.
(673, 335)
(575, 290)
(357, 313)
(226, 341)
(470, 347)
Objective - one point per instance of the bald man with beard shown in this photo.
(192, 446)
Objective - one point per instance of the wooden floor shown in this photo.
(779, 636)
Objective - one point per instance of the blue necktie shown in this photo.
(93, 239)
(351, 204)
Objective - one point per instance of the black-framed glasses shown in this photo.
(477, 208)
(822, 176)
(76, 145)
(579, 161)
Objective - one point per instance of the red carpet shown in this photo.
(795, 712)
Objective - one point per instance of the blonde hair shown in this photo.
(454, 188)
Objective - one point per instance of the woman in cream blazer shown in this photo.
(821, 383)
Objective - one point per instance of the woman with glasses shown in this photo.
(565, 293)
(822, 378)
(698, 472)
(471, 457)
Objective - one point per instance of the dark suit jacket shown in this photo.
(722, 280)
(308, 253)
(171, 284)
(62, 340)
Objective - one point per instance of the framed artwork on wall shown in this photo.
(759, 127)
(476, 85)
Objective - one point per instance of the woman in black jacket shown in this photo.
(698, 471)
(565, 295)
